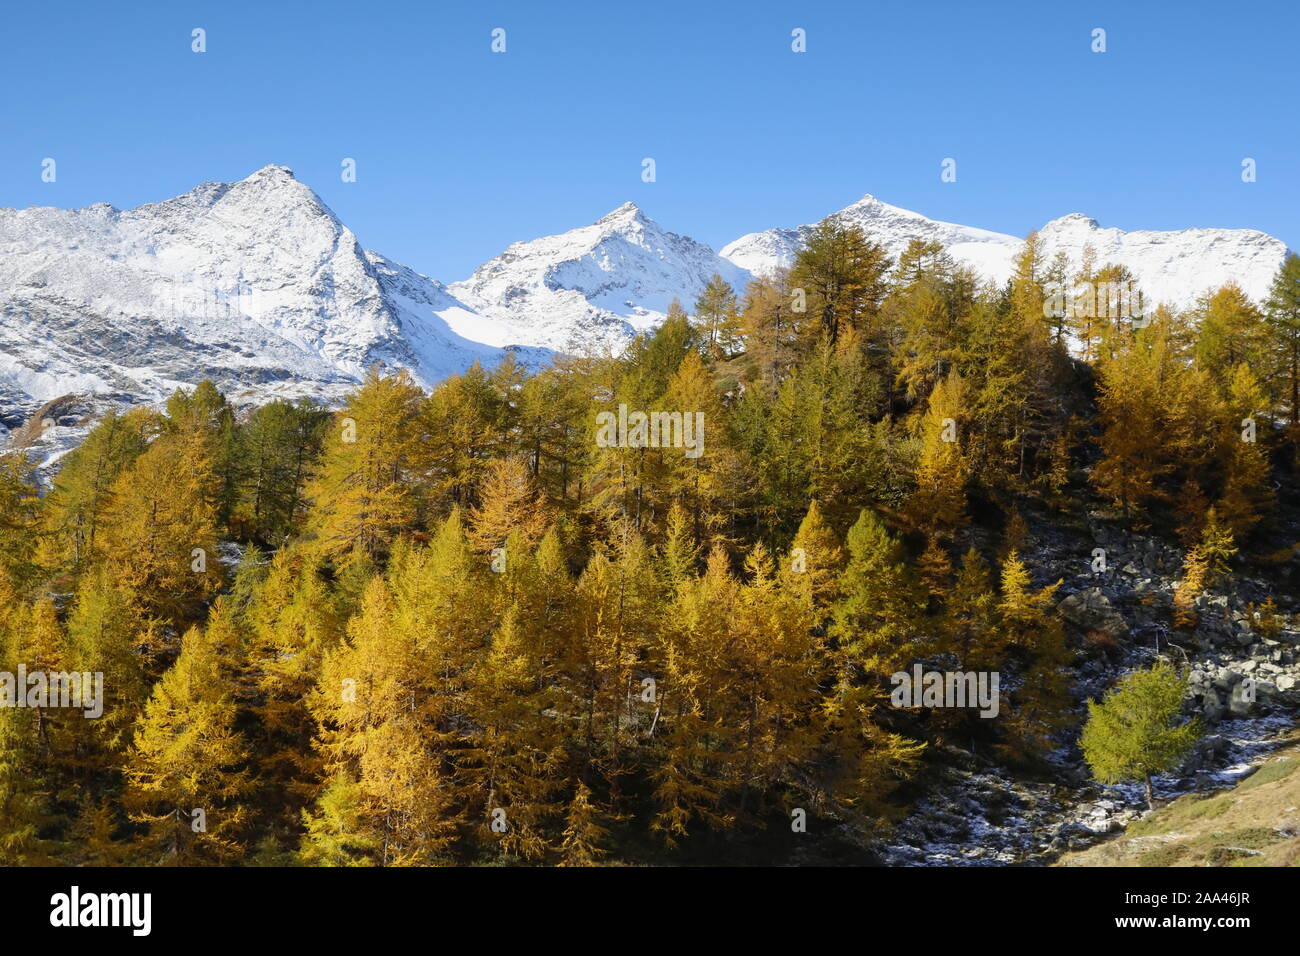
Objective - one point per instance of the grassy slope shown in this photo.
(1257, 823)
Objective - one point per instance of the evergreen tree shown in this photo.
(877, 618)
(1247, 485)
(1135, 732)
(365, 492)
(1230, 329)
(335, 834)
(938, 504)
(690, 779)
(843, 278)
(815, 564)
(775, 661)
(292, 625)
(615, 612)
(1282, 330)
(770, 330)
(1217, 546)
(103, 637)
(96, 834)
(582, 833)
(1029, 623)
(718, 317)
(76, 505)
(385, 729)
(163, 515)
(186, 779)
(508, 505)
(463, 426)
(278, 447)
(392, 697)
(513, 764)
(24, 807)
(204, 414)
(972, 634)
(1133, 396)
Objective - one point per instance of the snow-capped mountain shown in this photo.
(258, 286)
(589, 288)
(987, 252)
(255, 284)
(1174, 266)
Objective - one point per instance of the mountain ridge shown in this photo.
(595, 286)
(1173, 266)
(260, 286)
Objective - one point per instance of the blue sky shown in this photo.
(461, 151)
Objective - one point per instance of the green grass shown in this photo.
(1194, 806)
(1254, 824)
(1252, 838)
(1166, 855)
(1273, 770)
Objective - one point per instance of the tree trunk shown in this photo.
(1151, 801)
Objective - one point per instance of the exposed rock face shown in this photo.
(1243, 685)
(1091, 610)
(255, 284)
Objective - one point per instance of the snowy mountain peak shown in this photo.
(627, 213)
(258, 285)
(869, 205)
(271, 172)
(762, 253)
(590, 288)
(255, 284)
(1073, 220)
(1174, 267)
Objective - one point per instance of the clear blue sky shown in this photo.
(461, 151)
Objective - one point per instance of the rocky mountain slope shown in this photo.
(971, 810)
(255, 284)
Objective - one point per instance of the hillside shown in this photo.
(1255, 823)
(518, 616)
